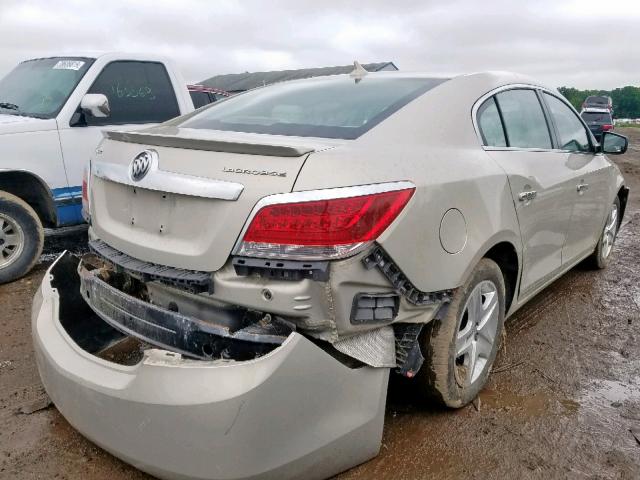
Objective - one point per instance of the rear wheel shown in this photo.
(460, 349)
(600, 257)
(21, 237)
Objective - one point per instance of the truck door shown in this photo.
(140, 94)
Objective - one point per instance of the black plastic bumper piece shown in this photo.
(191, 280)
(281, 269)
(176, 332)
(379, 258)
(370, 308)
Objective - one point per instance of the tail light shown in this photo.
(86, 212)
(607, 127)
(335, 224)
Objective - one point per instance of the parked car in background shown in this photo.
(598, 101)
(275, 255)
(52, 114)
(599, 121)
(201, 95)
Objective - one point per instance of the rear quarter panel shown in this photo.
(432, 143)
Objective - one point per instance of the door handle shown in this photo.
(527, 196)
(582, 187)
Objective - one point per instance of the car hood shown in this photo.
(21, 124)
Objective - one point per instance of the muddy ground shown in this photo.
(563, 400)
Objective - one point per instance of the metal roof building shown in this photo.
(239, 82)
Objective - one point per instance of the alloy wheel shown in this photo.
(11, 240)
(609, 233)
(477, 333)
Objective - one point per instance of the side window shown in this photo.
(200, 99)
(138, 92)
(523, 118)
(572, 134)
(490, 124)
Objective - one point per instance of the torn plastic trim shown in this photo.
(293, 270)
(190, 280)
(176, 332)
(379, 258)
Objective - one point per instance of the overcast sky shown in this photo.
(582, 43)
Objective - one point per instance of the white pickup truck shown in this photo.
(52, 113)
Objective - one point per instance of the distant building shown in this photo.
(239, 82)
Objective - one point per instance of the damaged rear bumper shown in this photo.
(295, 412)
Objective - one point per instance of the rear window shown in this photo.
(333, 107)
(598, 100)
(596, 117)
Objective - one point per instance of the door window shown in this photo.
(490, 124)
(138, 92)
(524, 119)
(572, 134)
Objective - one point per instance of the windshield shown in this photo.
(328, 107)
(39, 88)
(596, 117)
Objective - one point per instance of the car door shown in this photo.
(540, 181)
(591, 179)
(140, 94)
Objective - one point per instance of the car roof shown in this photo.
(101, 54)
(482, 81)
(595, 110)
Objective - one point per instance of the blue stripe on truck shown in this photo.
(68, 203)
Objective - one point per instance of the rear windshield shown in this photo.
(596, 117)
(331, 107)
(598, 100)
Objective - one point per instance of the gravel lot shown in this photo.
(563, 401)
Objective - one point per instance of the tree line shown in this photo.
(626, 100)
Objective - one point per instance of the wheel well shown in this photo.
(505, 255)
(30, 188)
(623, 195)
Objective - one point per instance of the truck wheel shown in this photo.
(600, 257)
(21, 237)
(459, 350)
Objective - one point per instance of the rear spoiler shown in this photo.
(209, 145)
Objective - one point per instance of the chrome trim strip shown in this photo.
(323, 194)
(170, 182)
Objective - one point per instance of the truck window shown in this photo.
(40, 87)
(200, 99)
(138, 92)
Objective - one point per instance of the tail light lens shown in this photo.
(324, 228)
(606, 128)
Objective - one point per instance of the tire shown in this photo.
(600, 257)
(446, 377)
(21, 237)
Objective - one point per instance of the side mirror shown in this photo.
(96, 105)
(614, 144)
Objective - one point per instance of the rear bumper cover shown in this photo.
(293, 413)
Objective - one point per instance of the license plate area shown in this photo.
(150, 210)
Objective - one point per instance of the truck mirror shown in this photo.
(96, 105)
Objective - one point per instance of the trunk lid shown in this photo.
(189, 209)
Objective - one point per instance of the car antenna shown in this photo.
(358, 72)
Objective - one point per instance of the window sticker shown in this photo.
(68, 65)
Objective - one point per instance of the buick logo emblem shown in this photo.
(142, 164)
